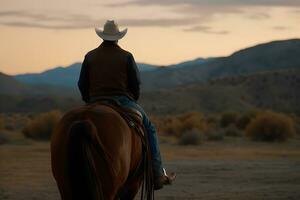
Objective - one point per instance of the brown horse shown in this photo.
(95, 155)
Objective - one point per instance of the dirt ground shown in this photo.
(234, 169)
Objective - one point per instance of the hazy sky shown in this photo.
(40, 34)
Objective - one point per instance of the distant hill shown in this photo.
(10, 86)
(16, 96)
(65, 76)
(197, 61)
(146, 67)
(277, 91)
(276, 55)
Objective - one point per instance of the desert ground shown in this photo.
(233, 169)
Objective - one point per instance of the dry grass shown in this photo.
(215, 134)
(233, 148)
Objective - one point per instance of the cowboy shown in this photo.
(110, 71)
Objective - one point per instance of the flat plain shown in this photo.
(233, 169)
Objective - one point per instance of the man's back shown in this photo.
(109, 71)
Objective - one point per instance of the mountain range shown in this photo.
(270, 56)
(263, 76)
(64, 76)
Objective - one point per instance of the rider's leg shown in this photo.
(160, 176)
(151, 133)
(153, 142)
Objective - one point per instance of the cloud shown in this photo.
(45, 26)
(209, 8)
(38, 20)
(25, 15)
(162, 22)
(19, 18)
(280, 28)
(258, 16)
(189, 13)
(205, 29)
(89, 24)
(211, 3)
(296, 11)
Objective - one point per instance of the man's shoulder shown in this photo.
(91, 52)
(125, 52)
(122, 51)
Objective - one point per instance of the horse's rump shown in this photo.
(92, 152)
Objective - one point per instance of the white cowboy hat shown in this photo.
(111, 31)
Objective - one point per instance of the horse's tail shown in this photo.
(81, 164)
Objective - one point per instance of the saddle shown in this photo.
(133, 117)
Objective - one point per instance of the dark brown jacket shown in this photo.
(109, 71)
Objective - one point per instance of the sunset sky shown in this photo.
(40, 34)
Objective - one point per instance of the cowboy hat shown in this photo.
(111, 31)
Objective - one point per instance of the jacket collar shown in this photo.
(109, 43)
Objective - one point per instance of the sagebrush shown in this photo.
(191, 137)
(1, 123)
(41, 127)
(228, 118)
(178, 124)
(270, 126)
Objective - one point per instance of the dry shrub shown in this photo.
(170, 126)
(297, 124)
(192, 120)
(233, 131)
(3, 138)
(214, 135)
(245, 119)
(191, 137)
(228, 118)
(297, 128)
(212, 121)
(270, 126)
(41, 127)
(1, 123)
(178, 124)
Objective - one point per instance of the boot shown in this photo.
(160, 181)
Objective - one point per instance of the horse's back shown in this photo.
(106, 140)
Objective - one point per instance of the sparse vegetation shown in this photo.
(228, 118)
(176, 125)
(270, 126)
(3, 138)
(191, 137)
(1, 123)
(245, 119)
(41, 127)
(191, 121)
(233, 131)
(214, 135)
